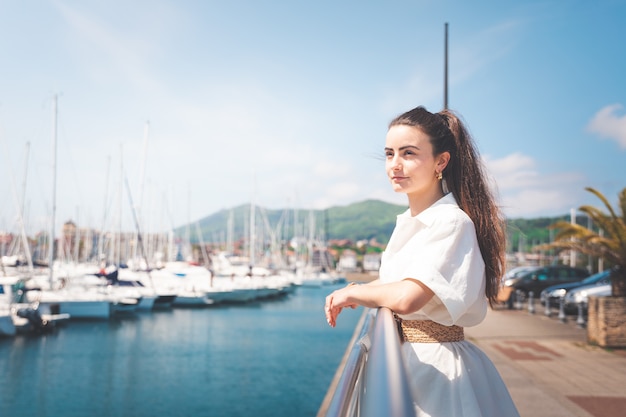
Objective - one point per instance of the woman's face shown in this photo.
(410, 163)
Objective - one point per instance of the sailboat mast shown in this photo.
(118, 259)
(77, 237)
(23, 199)
(188, 249)
(20, 216)
(230, 231)
(142, 175)
(445, 68)
(54, 190)
(252, 243)
(29, 258)
(101, 257)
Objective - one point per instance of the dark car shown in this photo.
(555, 292)
(518, 271)
(540, 278)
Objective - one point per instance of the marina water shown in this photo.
(267, 358)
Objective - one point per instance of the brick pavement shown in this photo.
(548, 366)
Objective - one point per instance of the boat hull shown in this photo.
(100, 309)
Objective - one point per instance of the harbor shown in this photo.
(36, 300)
(264, 357)
(275, 356)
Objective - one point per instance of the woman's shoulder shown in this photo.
(446, 210)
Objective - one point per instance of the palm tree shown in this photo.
(610, 244)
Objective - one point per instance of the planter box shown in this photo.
(606, 324)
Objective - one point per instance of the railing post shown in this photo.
(531, 302)
(562, 317)
(580, 321)
(518, 299)
(547, 311)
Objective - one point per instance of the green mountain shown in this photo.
(370, 219)
(527, 233)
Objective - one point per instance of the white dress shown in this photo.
(438, 247)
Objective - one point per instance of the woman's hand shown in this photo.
(403, 297)
(336, 302)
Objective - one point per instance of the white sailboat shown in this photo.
(22, 317)
(7, 325)
(72, 301)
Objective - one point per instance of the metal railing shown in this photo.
(372, 380)
(518, 298)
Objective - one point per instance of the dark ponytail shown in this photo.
(466, 179)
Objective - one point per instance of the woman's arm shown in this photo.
(402, 297)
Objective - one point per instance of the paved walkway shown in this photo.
(549, 368)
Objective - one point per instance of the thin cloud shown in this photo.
(525, 191)
(468, 55)
(332, 169)
(485, 47)
(533, 202)
(339, 194)
(513, 171)
(106, 50)
(610, 125)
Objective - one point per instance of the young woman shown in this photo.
(441, 267)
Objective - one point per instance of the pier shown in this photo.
(547, 365)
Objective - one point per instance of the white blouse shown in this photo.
(438, 247)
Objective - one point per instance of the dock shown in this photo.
(547, 364)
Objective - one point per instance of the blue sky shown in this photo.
(206, 105)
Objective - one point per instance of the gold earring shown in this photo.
(439, 175)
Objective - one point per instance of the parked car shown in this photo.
(518, 271)
(504, 293)
(581, 295)
(555, 292)
(539, 278)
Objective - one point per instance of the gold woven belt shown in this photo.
(427, 331)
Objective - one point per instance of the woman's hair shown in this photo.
(466, 180)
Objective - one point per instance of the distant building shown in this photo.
(373, 243)
(68, 240)
(348, 261)
(322, 258)
(6, 239)
(371, 262)
(340, 243)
